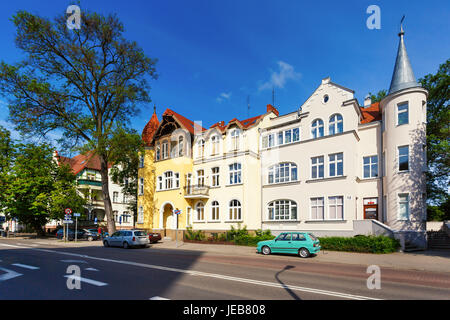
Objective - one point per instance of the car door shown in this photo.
(282, 243)
(298, 241)
(115, 239)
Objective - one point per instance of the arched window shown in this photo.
(235, 173)
(180, 146)
(214, 145)
(282, 210)
(201, 178)
(235, 139)
(215, 211)
(317, 129)
(200, 209)
(336, 124)
(201, 148)
(282, 172)
(235, 210)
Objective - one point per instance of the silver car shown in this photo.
(127, 239)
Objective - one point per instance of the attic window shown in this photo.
(325, 98)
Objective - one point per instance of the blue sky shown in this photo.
(213, 54)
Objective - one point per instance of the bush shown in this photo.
(194, 235)
(369, 244)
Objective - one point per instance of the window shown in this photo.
(280, 138)
(125, 198)
(215, 210)
(403, 206)
(235, 173)
(271, 141)
(265, 140)
(215, 176)
(317, 129)
(177, 180)
(336, 124)
(168, 180)
(295, 134)
(116, 216)
(402, 114)
(200, 208)
(141, 161)
(115, 197)
(235, 210)
(284, 237)
(370, 167)
(180, 146)
(336, 163)
(90, 175)
(336, 208)
(317, 210)
(160, 183)
(298, 237)
(317, 167)
(214, 145)
(141, 186)
(140, 216)
(158, 151)
(125, 217)
(288, 136)
(201, 178)
(326, 98)
(403, 158)
(283, 172)
(282, 210)
(165, 150)
(235, 140)
(201, 148)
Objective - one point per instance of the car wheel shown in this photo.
(105, 243)
(265, 250)
(303, 252)
(90, 238)
(126, 245)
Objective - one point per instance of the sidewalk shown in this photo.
(429, 260)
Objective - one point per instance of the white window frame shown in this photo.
(200, 177)
(288, 207)
(235, 171)
(318, 165)
(165, 150)
(335, 162)
(215, 211)
(115, 197)
(370, 165)
(399, 113)
(235, 139)
(215, 177)
(335, 204)
(282, 177)
(215, 145)
(315, 129)
(197, 205)
(234, 210)
(399, 202)
(311, 206)
(201, 148)
(334, 122)
(398, 158)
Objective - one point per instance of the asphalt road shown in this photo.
(30, 270)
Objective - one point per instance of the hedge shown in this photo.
(369, 244)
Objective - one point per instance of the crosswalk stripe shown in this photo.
(25, 266)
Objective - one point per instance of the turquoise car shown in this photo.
(301, 243)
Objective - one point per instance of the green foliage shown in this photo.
(439, 213)
(379, 96)
(194, 235)
(368, 244)
(438, 133)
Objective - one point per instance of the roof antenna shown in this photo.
(273, 96)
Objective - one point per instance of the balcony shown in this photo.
(90, 182)
(196, 192)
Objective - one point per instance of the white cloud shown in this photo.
(223, 96)
(278, 79)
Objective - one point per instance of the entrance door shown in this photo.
(371, 208)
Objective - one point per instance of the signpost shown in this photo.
(177, 213)
(76, 215)
(67, 220)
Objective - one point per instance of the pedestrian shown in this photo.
(100, 232)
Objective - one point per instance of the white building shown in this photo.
(335, 168)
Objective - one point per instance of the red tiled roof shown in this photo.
(82, 161)
(150, 129)
(372, 113)
(188, 124)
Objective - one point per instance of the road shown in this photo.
(30, 269)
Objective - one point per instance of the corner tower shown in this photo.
(404, 152)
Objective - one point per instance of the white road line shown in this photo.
(212, 275)
(91, 269)
(73, 261)
(9, 274)
(25, 266)
(90, 281)
(158, 298)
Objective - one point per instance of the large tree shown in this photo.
(438, 134)
(6, 160)
(84, 82)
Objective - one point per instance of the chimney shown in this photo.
(367, 101)
(273, 109)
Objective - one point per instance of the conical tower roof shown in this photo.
(403, 76)
(150, 128)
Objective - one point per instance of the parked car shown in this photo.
(127, 239)
(154, 237)
(301, 243)
(90, 234)
(70, 234)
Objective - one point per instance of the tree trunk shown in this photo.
(106, 199)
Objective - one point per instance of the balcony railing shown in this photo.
(196, 191)
(97, 183)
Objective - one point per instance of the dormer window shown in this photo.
(214, 145)
(165, 150)
(235, 139)
(201, 148)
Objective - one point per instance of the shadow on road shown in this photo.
(292, 293)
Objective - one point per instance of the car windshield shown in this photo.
(140, 233)
(313, 237)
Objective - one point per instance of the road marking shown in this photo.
(73, 261)
(91, 269)
(158, 298)
(25, 266)
(210, 275)
(9, 274)
(90, 281)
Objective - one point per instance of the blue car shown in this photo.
(301, 243)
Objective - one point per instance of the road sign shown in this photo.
(76, 214)
(68, 221)
(177, 211)
(95, 220)
(68, 211)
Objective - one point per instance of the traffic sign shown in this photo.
(177, 211)
(68, 211)
(76, 214)
(68, 221)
